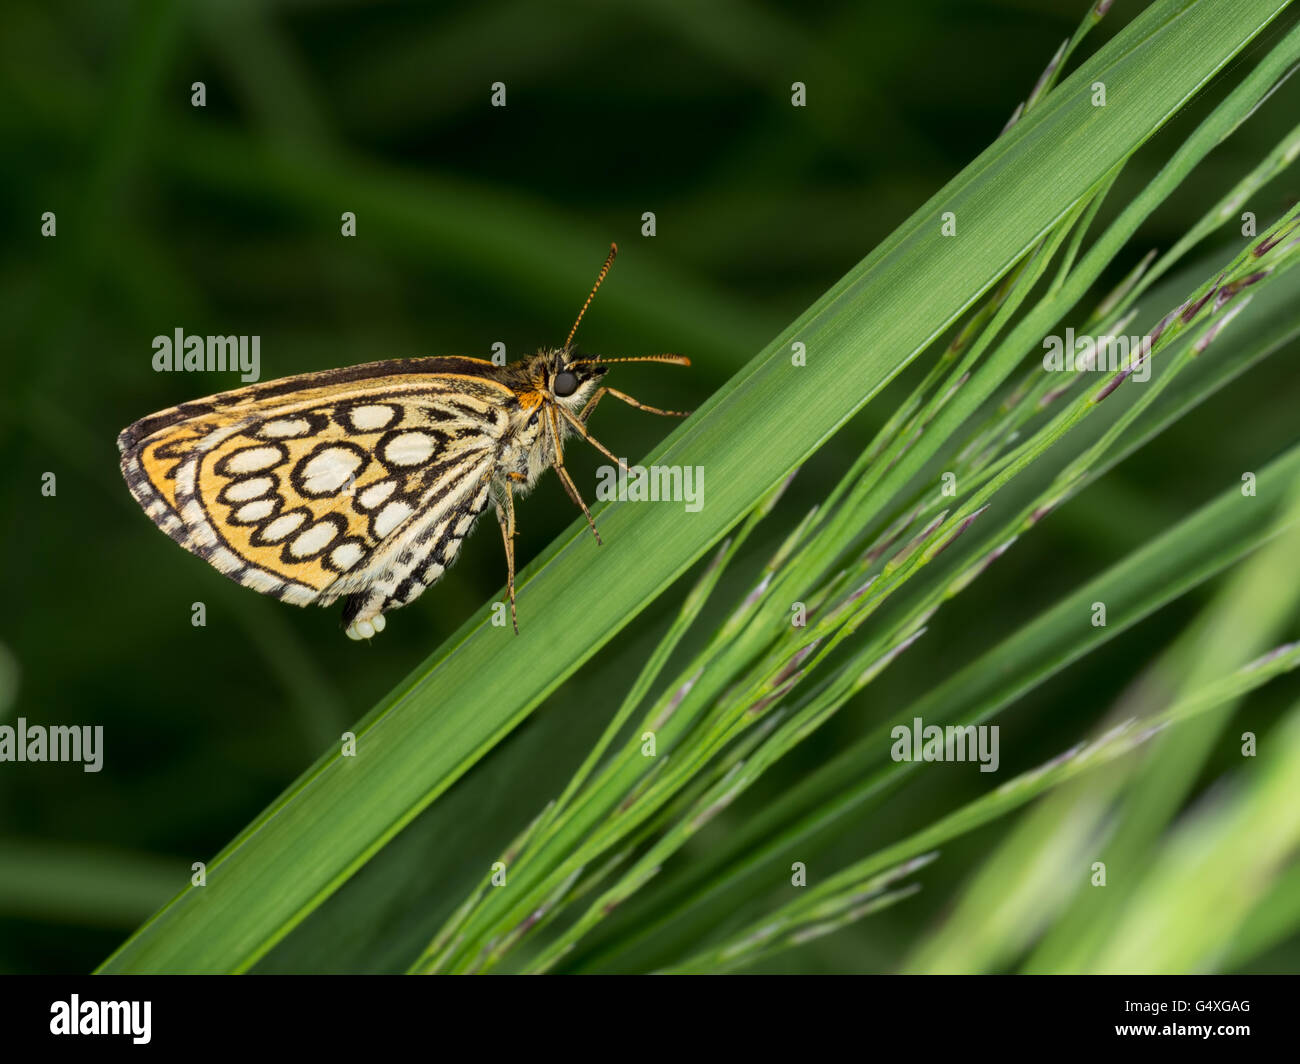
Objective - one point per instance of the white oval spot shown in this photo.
(409, 448)
(375, 494)
(253, 459)
(287, 427)
(252, 512)
(390, 517)
(328, 470)
(314, 540)
(346, 555)
(281, 527)
(370, 418)
(243, 490)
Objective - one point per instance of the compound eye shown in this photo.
(566, 383)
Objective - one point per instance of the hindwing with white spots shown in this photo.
(315, 488)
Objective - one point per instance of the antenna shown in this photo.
(594, 360)
(613, 250)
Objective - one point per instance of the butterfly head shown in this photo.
(570, 380)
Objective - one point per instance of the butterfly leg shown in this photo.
(563, 474)
(585, 412)
(506, 518)
(606, 390)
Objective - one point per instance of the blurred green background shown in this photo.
(475, 225)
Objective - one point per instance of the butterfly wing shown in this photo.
(359, 482)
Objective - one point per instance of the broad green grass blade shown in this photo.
(631, 791)
(440, 720)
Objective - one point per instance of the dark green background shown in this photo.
(475, 225)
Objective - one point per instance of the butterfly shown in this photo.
(361, 483)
